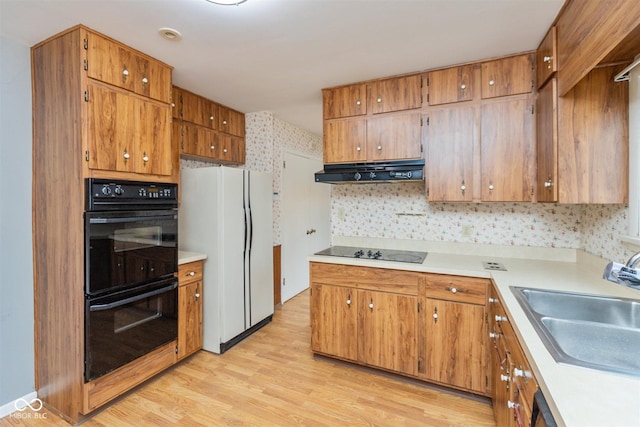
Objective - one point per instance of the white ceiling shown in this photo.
(276, 55)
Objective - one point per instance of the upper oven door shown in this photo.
(125, 249)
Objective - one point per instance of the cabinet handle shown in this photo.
(494, 335)
(463, 187)
(173, 104)
(197, 295)
(192, 273)
(371, 304)
(435, 315)
(125, 72)
(211, 118)
(491, 82)
(358, 149)
(349, 300)
(225, 150)
(224, 122)
(501, 319)
(126, 155)
(145, 80)
(454, 290)
(463, 86)
(519, 372)
(492, 300)
(546, 59)
(145, 158)
(379, 147)
(213, 147)
(358, 102)
(379, 100)
(548, 183)
(504, 378)
(491, 187)
(512, 405)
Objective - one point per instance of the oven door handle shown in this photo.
(102, 307)
(129, 219)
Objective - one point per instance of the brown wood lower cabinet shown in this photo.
(453, 329)
(189, 308)
(513, 383)
(384, 318)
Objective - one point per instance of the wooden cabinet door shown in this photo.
(115, 64)
(399, 93)
(152, 137)
(547, 142)
(546, 57)
(189, 319)
(593, 125)
(110, 119)
(450, 85)
(451, 137)
(455, 340)
(509, 76)
(334, 321)
(231, 121)
(232, 149)
(345, 141)
(507, 151)
(344, 101)
(394, 137)
(388, 333)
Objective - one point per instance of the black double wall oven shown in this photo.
(131, 261)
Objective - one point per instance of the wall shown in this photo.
(16, 263)
(401, 211)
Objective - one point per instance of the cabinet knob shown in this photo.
(371, 304)
(173, 104)
(379, 147)
(504, 378)
(493, 300)
(126, 155)
(145, 80)
(358, 149)
(491, 187)
(224, 151)
(224, 122)
(192, 273)
(145, 158)
(358, 102)
(463, 187)
(213, 147)
(512, 405)
(501, 318)
(348, 302)
(125, 72)
(494, 335)
(463, 86)
(197, 295)
(211, 118)
(453, 290)
(379, 100)
(491, 82)
(435, 315)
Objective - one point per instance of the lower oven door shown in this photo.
(123, 326)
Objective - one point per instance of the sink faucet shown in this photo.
(633, 260)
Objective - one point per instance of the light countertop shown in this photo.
(577, 396)
(185, 257)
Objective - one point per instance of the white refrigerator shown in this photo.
(227, 214)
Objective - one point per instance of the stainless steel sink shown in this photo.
(586, 330)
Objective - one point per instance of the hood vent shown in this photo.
(384, 172)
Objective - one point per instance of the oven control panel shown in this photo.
(101, 192)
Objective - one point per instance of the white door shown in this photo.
(305, 222)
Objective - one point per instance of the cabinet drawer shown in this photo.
(456, 288)
(190, 272)
(376, 279)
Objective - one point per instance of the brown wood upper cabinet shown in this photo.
(195, 109)
(394, 137)
(508, 76)
(396, 94)
(231, 121)
(547, 57)
(346, 101)
(585, 130)
(450, 85)
(115, 64)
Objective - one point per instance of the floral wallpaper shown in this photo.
(401, 211)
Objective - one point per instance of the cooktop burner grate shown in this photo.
(415, 257)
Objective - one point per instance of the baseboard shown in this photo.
(19, 403)
(233, 341)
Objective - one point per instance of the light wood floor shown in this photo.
(272, 379)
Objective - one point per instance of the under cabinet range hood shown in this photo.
(352, 173)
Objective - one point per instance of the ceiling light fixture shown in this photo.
(227, 2)
(170, 34)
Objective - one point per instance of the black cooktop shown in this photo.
(415, 257)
